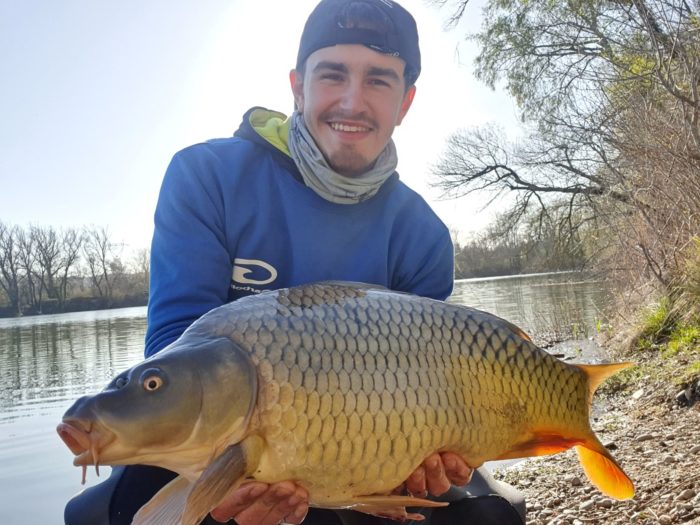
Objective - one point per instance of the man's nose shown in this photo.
(353, 97)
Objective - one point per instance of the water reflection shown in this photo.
(552, 305)
(50, 362)
(47, 362)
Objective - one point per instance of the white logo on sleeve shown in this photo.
(264, 272)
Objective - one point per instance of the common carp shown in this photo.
(343, 388)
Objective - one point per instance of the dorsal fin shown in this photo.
(598, 373)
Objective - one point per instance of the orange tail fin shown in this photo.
(603, 471)
(600, 467)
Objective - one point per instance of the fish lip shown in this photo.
(85, 439)
(75, 434)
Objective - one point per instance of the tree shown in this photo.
(10, 266)
(102, 259)
(71, 244)
(48, 253)
(140, 269)
(31, 282)
(609, 89)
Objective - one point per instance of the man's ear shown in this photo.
(296, 81)
(406, 104)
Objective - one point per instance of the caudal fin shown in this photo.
(603, 471)
(600, 467)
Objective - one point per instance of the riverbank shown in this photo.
(649, 418)
(77, 304)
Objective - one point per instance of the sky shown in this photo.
(96, 96)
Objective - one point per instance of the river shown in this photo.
(46, 362)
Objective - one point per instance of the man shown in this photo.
(288, 201)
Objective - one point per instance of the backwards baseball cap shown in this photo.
(381, 25)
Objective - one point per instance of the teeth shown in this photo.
(351, 129)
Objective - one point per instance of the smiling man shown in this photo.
(291, 200)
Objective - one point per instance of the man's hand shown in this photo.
(436, 474)
(262, 504)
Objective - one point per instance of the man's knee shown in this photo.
(481, 510)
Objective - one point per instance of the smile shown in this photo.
(348, 128)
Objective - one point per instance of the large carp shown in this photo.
(344, 389)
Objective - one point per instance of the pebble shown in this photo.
(573, 480)
(639, 393)
(586, 505)
(682, 397)
(686, 495)
(665, 475)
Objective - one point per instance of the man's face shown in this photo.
(351, 98)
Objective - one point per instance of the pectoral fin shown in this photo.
(221, 476)
(393, 507)
(167, 505)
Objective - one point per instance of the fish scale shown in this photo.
(345, 389)
(446, 405)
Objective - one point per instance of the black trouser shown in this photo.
(116, 500)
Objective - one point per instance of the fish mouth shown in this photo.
(86, 440)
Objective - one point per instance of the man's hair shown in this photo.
(382, 25)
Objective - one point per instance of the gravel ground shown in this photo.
(653, 430)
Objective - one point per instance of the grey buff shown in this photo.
(320, 177)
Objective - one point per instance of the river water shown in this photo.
(47, 362)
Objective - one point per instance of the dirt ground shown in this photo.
(652, 427)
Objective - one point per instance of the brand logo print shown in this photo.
(262, 272)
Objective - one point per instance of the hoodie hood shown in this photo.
(265, 127)
(269, 129)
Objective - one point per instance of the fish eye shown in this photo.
(151, 380)
(152, 383)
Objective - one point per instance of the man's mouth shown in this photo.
(348, 128)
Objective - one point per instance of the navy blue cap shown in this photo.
(391, 30)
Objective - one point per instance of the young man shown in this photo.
(288, 201)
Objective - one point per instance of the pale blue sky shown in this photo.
(96, 96)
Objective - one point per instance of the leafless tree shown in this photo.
(140, 269)
(10, 275)
(610, 92)
(71, 244)
(31, 284)
(101, 256)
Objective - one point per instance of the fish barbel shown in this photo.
(343, 388)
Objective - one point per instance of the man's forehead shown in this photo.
(356, 57)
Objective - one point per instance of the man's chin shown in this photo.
(351, 167)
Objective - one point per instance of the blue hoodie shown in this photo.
(235, 218)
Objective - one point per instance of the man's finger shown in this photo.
(415, 484)
(456, 469)
(238, 500)
(270, 508)
(436, 481)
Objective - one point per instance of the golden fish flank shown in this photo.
(345, 389)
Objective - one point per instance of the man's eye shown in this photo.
(331, 76)
(378, 82)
